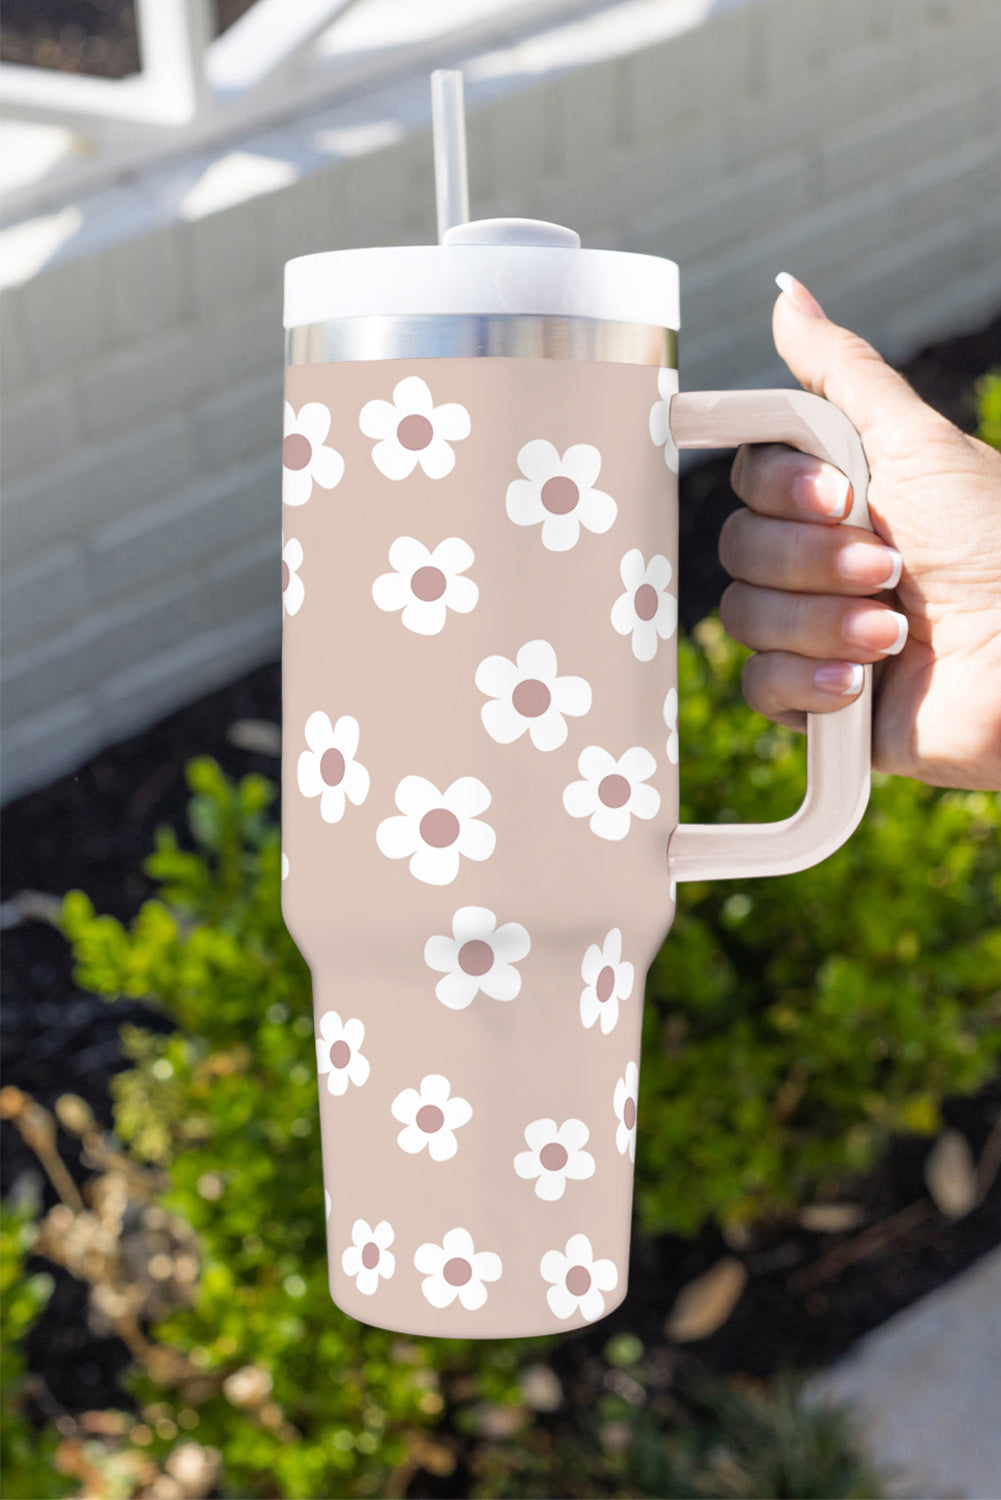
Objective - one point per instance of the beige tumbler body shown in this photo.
(479, 787)
(479, 774)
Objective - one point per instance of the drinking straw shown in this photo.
(448, 129)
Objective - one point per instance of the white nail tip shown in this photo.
(858, 679)
(784, 281)
(839, 510)
(898, 567)
(898, 645)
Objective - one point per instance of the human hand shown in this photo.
(800, 599)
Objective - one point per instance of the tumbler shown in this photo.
(480, 750)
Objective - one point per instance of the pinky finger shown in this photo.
(785, 687)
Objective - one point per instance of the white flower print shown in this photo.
(328, 769)
(431, 1115)
(455, 1269)
(285, 865)
(612, 791)
(671, 720)
(369, 1256)
(624, 1103)
(436, 828)
(578, 1280)
(293, 589)
(526, 694)
(554, 1154)
(646, 610)
(426, 585)
(306, 458)
(660, 417)
(412, 431)
(607, 980)
(559, 493)
(338, 1052)
(478, 956)
(327, 1204)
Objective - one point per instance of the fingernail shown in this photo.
(799, 295)
(823, 492)
(901, 623)
(882, 630)
(842, 678)
(871, 567)
(896, 562)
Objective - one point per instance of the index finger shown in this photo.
(779, 481)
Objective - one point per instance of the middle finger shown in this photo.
(818, 626)
(806, 558)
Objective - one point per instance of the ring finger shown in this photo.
(806, 559)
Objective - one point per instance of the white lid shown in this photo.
(487, 267)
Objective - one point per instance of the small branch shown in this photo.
(37, 1129)
(990, 1161)
(869, 1242)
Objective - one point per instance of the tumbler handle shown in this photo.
(838, 744)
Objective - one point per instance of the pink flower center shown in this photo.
(559, 495)
(286, 575)
(428, 584)
(332, 767)
(605, 984)
(439, 828)
(296, 451)
(553, 1156)
(578, 1280)
(531, 698)
(414, 432)
(340, 1054)
(475, 957)
(613, 790)
(429, 1118)
(457, 1271)
(629, 1113)
(645, 601)
(370, 1256)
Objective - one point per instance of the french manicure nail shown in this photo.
(868, 628)
(901, 624)
(842, 678)
(870, 567)
(799, 295)
(824, 492)
(896, 568)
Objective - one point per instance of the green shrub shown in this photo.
(718, 1439)
(28, 1467)
(988, 392)
(790, 1026)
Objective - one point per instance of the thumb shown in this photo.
(834, 362)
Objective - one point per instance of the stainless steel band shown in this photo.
(511, 336)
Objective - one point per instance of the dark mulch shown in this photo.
(83, 36)
(92, 830)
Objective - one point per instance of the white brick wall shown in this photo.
(856, 144)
